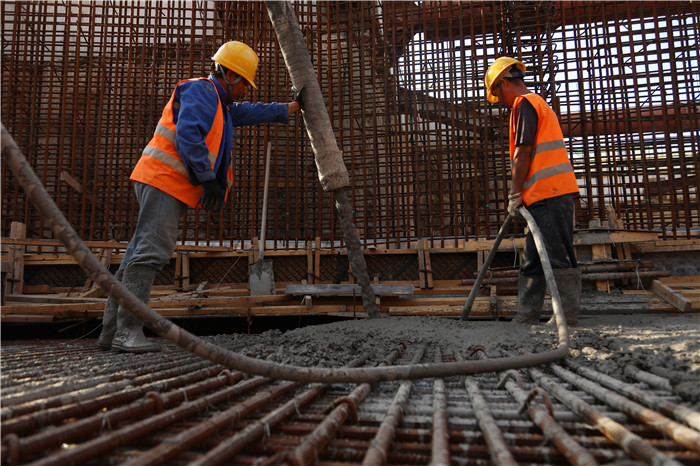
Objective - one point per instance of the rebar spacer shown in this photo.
(351, 403)
(476, 350)
(229, 376)
(155, 396)
(531, 397)
(511, 374)
(12, 442)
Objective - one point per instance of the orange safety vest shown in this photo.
(160, 165)
(551, 173)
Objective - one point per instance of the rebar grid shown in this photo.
(186, 417)
(85, 82)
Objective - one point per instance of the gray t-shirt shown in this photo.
(525, 124)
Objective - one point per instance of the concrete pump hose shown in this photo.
(166, 329)
(557, 307)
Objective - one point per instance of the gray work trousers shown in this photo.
(555, 219)
(157, 228)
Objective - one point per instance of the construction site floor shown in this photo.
(627, 393)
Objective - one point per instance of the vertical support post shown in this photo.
(428, 266)
(90, 290)
(310, 275)
(421, 266)
(182, 270)
(623, 250)
(15, 258)
(425, 272)
(601, 251)
(317, 260)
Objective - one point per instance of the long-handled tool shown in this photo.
(260, 274)
(477, 284)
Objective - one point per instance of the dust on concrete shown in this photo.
(667, 345)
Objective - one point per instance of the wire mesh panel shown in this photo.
(83, 84)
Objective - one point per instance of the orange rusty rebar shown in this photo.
(380, 446)
(440, 450)
(616, 432)
(346, 407)
(679, 433)
(544, 418)
(228, 447)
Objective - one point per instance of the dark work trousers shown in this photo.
(555, 218)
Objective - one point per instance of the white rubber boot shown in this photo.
(109, 320)
(129, 336)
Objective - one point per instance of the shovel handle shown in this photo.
(263, 226)
(477, 284)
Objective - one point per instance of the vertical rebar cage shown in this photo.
(83, 84)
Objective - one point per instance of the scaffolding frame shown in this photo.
(83, 84)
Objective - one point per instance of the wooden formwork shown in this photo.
(44, 283)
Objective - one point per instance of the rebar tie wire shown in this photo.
(172, 332)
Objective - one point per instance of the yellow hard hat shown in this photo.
(239, 58)
(500, 69)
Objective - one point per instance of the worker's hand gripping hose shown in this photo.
(166, 329)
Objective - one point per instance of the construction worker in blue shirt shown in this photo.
(187, 163)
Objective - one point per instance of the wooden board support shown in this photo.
(14, 281)
(623, 249)
(71, 181)
(425, 273)
(676, 299)
(601, 251)
(89, 290)
(254, 251)
(313, 261)
(346, 290)
(182, 270)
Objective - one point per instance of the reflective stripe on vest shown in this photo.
(161, 166)
(550, 173)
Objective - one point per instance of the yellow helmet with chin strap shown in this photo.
(502, 68)
(239, 58)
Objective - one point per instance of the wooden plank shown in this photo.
(317, 260)
(422, 281)
(182, 270)
(346, 290)
(428, 268)
(51, 309)
(49, 299)
(310, 275)
(254, 251)
(623, 249)
(14, 281)
(605, 236)
(601, 251)
(105, 257)
(687, 280)
(672, 297)
(98, 305)
(70, 181)
(19, 318)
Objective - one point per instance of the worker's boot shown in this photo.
(109, 320)
(569, 287)
(129, 337)
(531, 289)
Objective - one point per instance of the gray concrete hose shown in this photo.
(166, 329)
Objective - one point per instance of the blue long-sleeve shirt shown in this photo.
(195, 117)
